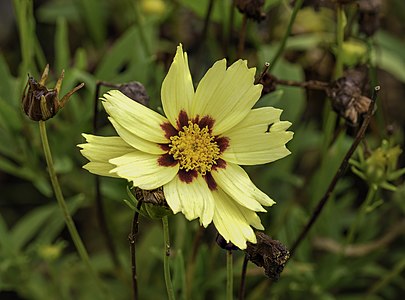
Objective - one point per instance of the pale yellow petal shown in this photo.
(136, 141)
(193, 199)
(259, 138)
(233, 220)
(100, 168)
(226, 95)
(143, 169)
(177, 87)
(135, 117)
(99, 150)
(237, 184)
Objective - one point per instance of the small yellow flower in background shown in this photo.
(195, 151)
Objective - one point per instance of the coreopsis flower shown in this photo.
(195, 151)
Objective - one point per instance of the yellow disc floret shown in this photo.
(194, 148)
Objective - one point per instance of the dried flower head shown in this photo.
(252, 9)
(41, 104)
(270, 254)
(369, 16)
(195, 151)
(346, 96)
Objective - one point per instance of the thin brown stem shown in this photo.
(242, 287)
(342, 168)
(101, 218)
(266, 67)
(310, 84)
(228, 40)
(242, 37)
(132, 241)
(207, 20)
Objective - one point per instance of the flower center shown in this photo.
(194, 148)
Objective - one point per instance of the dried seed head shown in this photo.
(41, 104)
(346, 96)
(38, 102)
(270, 254)
(369, 16)
(135, 91)
(154, 203)
(252, 9)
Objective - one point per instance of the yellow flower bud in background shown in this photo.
(153, 7)
(354, 52)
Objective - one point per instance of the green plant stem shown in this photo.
(280, 49)
(340, 36)
(229, 275)
(62, 204)
(330, 116)
(387, 278)
(166, 255)
(362, 212)
(142, 33)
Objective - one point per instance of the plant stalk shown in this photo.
(166, 255)
(362, 212)
(62, 204)
(229, 275)
(287, 33)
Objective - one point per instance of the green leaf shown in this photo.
(6, 242)
(390, 62)
(45, 222)
(62, 53)
(271, 99)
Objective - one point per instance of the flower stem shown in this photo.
(166, 254)
(362, 212)
(280, 49)
(62, 204)
(242, 287)
(400, 266)
(340, 36)
(132, 250)
(342, 168)
(242, 37)
(229, 275)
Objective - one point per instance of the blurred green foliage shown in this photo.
(126, 40)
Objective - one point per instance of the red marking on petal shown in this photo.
(168, 129)
(166, 160)
(206, 121)
(212, 185)
(165, 147)
(221, 164)
(222, 142)
(187, 176)
(182, 120)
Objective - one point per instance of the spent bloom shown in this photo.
(195, 151)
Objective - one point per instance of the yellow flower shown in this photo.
(195, 151)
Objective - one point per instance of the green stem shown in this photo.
(229, 275)
(330, 115)
(166, 254)
(280, 49)
(62, 204)
(340, 36)
(142, 33)
(387, 278)
(362, 212)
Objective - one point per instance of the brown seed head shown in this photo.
(252, 9)
(270, 254)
